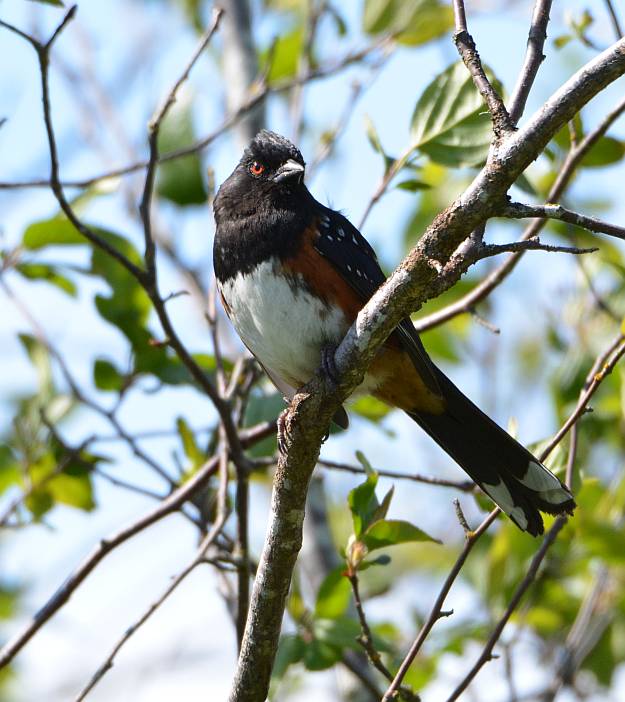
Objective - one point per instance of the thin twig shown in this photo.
(471, 538)
(154, 126)
(469, 55)
(487, 651)
(533, 58)
(517, 210)
(257, 95)
(618, 30)
(220, 520)
(464, 485)
(496, 277)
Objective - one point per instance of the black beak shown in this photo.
(291, 170)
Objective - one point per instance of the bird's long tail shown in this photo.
(515, 480)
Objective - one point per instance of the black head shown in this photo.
(272, 158)
(270, 173)
(263, 207)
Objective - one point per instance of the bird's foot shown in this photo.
(283, 434)
(328, 364)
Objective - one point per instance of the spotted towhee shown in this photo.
(293, 275)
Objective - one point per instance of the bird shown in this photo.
(293, 274)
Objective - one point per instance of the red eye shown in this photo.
(256, 168)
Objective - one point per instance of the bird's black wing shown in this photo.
(351, 254)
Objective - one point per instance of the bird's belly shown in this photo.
(281, 322)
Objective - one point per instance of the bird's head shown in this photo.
(271, 170)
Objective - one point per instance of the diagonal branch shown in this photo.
(207, 541)
(415, 280)
(517, 210)
(467, 302)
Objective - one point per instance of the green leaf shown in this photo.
(284, 54)
(189, 445)
(450, 122)
(341, 632)
(44, 271)
(320, 655)
(106, 376)
(363, 503)
(334, 595)
(370, 408)
(412, 22)
(180, 180)
(290, 651)
(40, 358)
(412, 186)
(57, 231)
(389, 532)
(263, 408)
(381, 511)
(56, 3)
(604, 152)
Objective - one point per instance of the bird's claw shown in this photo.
(328, 364)
(283, 434)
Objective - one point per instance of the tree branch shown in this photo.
(466, 303)
(471, 59)
(533, 58)
(517, 210)
(207, 541)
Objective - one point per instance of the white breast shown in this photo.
(282, 324)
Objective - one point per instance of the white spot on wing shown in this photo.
(538, 478)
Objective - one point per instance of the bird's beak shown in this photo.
(291, 170)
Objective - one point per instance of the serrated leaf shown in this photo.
(450, 122)
(334, 595)
(390, 532)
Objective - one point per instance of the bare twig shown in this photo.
(533, 58)
(517, 210)
(154, 126)
(220, 520)
(464, 485)
(618, 30)
(471, 538)
(469, 55)
(606, 362)
(170, 504)
(486, 654)
(366, 638)
(257, 95)
(496, 277)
